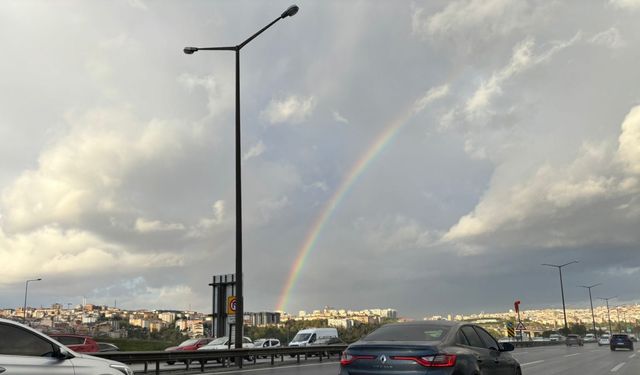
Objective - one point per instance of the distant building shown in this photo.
(261, 319)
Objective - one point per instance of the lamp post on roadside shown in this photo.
(608, 315)
(26, 290)
(289, 12)
(593, 317)
(564, 310)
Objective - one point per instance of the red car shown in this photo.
(77, 343)
(191, 344)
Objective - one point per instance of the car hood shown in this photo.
(85, 357)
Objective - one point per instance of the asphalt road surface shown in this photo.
(587, 360)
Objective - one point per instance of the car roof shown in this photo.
(68, 335)
(444, 323)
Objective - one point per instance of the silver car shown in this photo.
(25, 351)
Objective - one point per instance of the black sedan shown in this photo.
(429, 347)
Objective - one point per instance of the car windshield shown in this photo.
(300, 337)
(189, 342)
(218, 341)
(408, 332)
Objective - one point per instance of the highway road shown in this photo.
(587, 360)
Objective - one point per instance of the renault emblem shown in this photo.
(383, 359)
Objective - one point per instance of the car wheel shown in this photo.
(171, 362)
(613, 349)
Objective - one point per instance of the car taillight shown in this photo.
(438, 360)
(347, 359)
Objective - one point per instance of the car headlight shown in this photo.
(123, 369)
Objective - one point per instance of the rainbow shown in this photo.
(384, 138)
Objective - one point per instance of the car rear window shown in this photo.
(619, 336)
(408, 332)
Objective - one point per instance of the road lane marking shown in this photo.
(632, 355)
(571, 355)
(272, 368)
(532, 363)
(617, 367)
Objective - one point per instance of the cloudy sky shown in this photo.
(472, 140)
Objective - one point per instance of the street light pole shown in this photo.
(608, 315)
(289, 12)
(564, 310)
(593, 317)
(26, 289)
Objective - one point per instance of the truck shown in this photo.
(308, 336)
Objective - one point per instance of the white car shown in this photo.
(222, 343)
(24, 350)
(554, 337)
(603, 340)
(589, 337)
(266, 343)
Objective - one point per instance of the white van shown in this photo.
(309, 336)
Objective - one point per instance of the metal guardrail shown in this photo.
(529, 344)
(224, 356)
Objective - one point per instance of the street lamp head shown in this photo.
(190, 50)
(290, 12)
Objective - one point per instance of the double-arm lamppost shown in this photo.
(593, 317)
(608, 315)
(26, 289)
(564, 310)
(292, 10)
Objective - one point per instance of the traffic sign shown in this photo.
(232, 303)
(510, 332)
(521, 327)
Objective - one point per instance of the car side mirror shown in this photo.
(62, 354)
(506, 347)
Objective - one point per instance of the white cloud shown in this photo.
(148, 226)
(609, 38)
(82, 173)
(293, 110)
(254, 151)
(393, 233)
(338, 117)
(430, 96)
(139, 4)
(566, 204)
(629, 149)
(205, 225)
(476, 19)
(626, 4)
(522, 59)
(320, 185)
(218, 93)
(55, 252)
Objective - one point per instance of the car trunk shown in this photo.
(390, 357)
